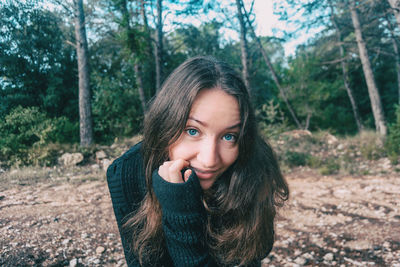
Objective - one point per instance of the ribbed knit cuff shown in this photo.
(178, 197)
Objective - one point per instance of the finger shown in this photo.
(163, 170)
(187, 174)
(175, 175)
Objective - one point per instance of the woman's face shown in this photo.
(209, 142)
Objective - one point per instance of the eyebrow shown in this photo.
(205, 124)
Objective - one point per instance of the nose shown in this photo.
(208, 154)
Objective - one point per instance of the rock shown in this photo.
(95, 166)
(386, 165)
(100, 250)
(340, 147)
(266, 261)
(121, 262)
(386, 244)
(101, 155)
(70, 159)
(73, 262)
(106, 163)
(298, 134)
(300, 261)
(330, 139)
(65, 241)
(329, 257)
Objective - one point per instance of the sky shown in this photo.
(267, 23)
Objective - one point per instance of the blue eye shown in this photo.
(192, 132)
(229, 137)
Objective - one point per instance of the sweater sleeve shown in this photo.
(126, 193)
(183, 221)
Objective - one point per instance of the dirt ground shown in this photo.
(329, 221)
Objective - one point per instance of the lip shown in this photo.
(205, 174)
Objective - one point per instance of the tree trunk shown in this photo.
(159, 46)
(272, 70)
(243, 45)
(150, 44)
(139, 83)
(373, 91)
(85, 110)
(395, 5)
(131, 38)
(396, 52)
(345, 74)
(146, 28)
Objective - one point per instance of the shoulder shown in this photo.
(125, 176)
(133, 155)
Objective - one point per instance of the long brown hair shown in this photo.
(242, 203)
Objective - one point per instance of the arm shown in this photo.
(123, 177)
(183, 221)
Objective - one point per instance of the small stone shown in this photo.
(100, 250)
(329, 257)
(73, 262)
(71, 159)
(106, 163)
(266, 261)
(300, 261)
(95, 166)
(101, 155)
(386, 244)
(65, 241)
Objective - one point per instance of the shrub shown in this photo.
(25, 132)
(293, 158)
(330, 166)
(392, 144)
(271, 120)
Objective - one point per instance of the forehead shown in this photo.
(216, 106)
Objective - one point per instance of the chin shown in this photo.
(206, 184)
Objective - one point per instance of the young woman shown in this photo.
(203, 186)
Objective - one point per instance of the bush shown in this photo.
(25, 132)
(271, 120)
(392, 144)
(330, 166)
(293, 158)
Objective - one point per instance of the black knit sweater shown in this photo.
(183, 214)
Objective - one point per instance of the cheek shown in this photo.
(230, 156)
(180, 150)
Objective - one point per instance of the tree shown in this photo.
(346, 82)
(373, 91)
(243, 44)
(37, 67)
(395, 5)
(159, 45)
(272, 70)
(85, 110)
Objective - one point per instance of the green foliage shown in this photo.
(330, 166)
(392, 144)
(294, 158)
(25, 132)
(116, 108)
(271, 120)
(38, 68)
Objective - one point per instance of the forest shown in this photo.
(82, 72)
(76, 78)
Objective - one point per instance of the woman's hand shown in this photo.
(171, 171)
